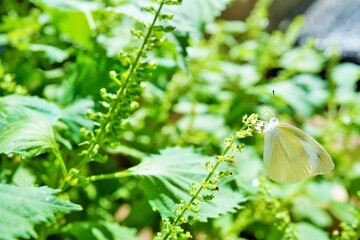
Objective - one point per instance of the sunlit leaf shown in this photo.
(248, 166)
(25, 103)
(22, 208)
(54, 54)
(187, 107)
(320, 192)
(189, 21)
(204, 125)
(166, 179)
(303, 93)
(100, 230)
(343, 211)
(16, 108)
(76, 14)
(345, 77)
(303, 60)
(201, 122)
(192, 15)
(23, 177)
(134, 10)
(28, 136)
(307, 231)
(74, 115)
(305, 208)
(246, 74)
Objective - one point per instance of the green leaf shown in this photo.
(307, 231)
(246, 74)
(345, 77)
(343, 211)
(303, 92)
(303, 60)
(31, 103)
(203, 122)
(76, 14)
(22, 208)
(305, 208)
(134, 10)
(25, 127)
(74, 115)
(320, 192)
(192, 15)
(248, 166)
(100, 230)
(54, 54)
(190, 19)
(188, 107)
(27, 135)
(23, 177)
(166, 178)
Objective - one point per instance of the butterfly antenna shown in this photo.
(268, 111)
(276, 113)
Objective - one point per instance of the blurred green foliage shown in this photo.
(55, 56)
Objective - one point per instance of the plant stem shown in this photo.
(121, 174)
(211, 173)
(100, 134)
(119, 94)
(61, 161)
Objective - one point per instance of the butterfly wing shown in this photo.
(321, 161)
(285, 157)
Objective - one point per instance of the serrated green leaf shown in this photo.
(246, 74)
(320, 192)
(305, 208)
(248, 166)
(303, 92)
(17, 103)
(69, 5)
(23, 177)
(307, 231)
(202, 122)
(134, 10)
(343, 211)
(15, 108)
(76, 14)
(187, 107)
(29, 136)
(192, 15)
(100, 230)
(54, 54)
(345, 77)
(166, 178)
(189, 21)
(346, 74)
(74, 115)
(24, 125)
(22, 208)
(303, 60)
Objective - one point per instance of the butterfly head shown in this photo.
(273, 122)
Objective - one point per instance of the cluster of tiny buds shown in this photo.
(229, 140)
(176, 232)
(260, 127)
(171, 2)
(210, 184)
(252, 119)
(229, 158)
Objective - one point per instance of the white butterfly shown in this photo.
(291, 155)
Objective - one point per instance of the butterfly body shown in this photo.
(290, 155)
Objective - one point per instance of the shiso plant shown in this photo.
(139, 119)
(172, 229)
